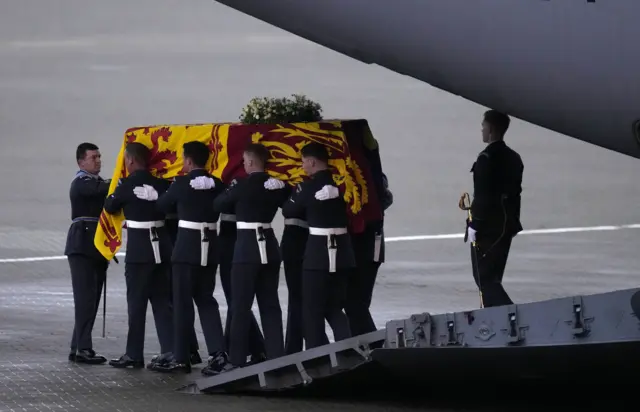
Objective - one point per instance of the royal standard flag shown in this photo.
(348, 142)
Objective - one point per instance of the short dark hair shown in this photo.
(83, 148)
(140, 153)
(258, 151)
(198, 152)
(498, 121)
(316, 150)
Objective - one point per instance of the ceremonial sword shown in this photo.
(465, 204)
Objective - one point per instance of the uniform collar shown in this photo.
(198, 172)
(83, 172)
(140, 172)
(321, 173)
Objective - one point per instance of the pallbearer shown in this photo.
(171, 223)
(369, 249)
(194, 259)
(226, 242)
(256, 258)
(148, 256)
(88, 267)
(329, 255)
(293, 244)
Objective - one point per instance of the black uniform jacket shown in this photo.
(330, 213)
(251, 202)
(497, 184)
(139, 249)
(193, 206)
(87, 195)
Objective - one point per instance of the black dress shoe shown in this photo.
(195, 358)
(255, 359)
(72, 356)
(172, 367)
(89, 357)
(162, 359)
(125, 361)
(215, 364)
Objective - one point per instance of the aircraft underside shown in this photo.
(569, 66)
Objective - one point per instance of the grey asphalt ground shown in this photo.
(72, 71)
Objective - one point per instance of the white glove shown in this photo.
(202, 183)
(472, 235)
(145, 192)
(273, 184)
(327, 192)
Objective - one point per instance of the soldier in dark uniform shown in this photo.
(226, 243)
(495, 210)
(171, 225)
(88, 266)
(195, 260)
(147, 260)
(292, 247)
(256, 258)
(368, 248)
(328, 257)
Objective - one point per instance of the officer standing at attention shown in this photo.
(171, 225)
(88, 266)
(256, 259)
(227, 234)
(495, 210)
(195, 260)
(369, 249)
(147, 258)
(292, 247)
(328, 257)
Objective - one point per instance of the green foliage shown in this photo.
(281, 110)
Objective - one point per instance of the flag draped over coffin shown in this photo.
(349, 143)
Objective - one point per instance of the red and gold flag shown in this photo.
(344, 139)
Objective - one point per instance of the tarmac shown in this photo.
(73, 71)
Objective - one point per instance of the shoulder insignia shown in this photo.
(299, 188)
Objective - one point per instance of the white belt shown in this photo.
(204, 239)
(155, 241)
(225, 217)
(253, 225)
(144, 225)
(322, 231)
(262, 241)
(332, 249)
(296, 222)
(197, 225)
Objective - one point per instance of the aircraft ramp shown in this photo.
(593, 338)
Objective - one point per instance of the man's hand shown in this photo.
(273, 184)
(327, 192)
(472, 234)
(145, 192)
(202, 183)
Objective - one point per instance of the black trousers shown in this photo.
(87, 280)
(294, 337)
(250, 280)
(194, 346)
(359, 294)
(323, 297)
(148, 282)
(256, 340)
(488, 261)
(194, 283)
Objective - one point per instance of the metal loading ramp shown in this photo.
(594, 338)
